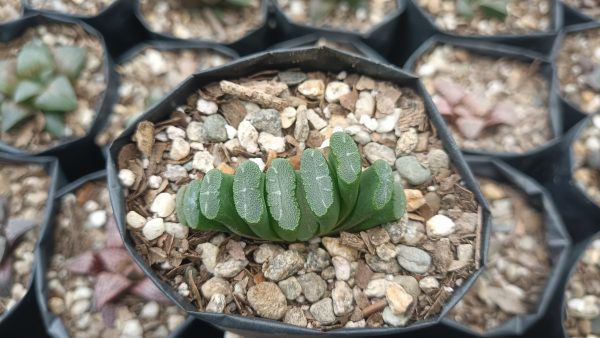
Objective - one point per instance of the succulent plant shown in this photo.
(493, 9)
(320, 9)
(40, 80)
(11, 231)
(324, 196)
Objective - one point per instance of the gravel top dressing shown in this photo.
(590, 8)
(491, 104)
(338, 14)
(518, 263)
(578, 69)
(32, 134)
(23, 195)
(94, 287)
(195, 20)
(10, 10)
(506, 17)
(147, 77)
(390, 275)
(74, 7)
(586, 166)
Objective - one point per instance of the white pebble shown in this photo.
(440, 226)
(271, 142)
(132, 329)
(135, 220)
(150, 310)
(369, 122)
(163, 205)
(206, 107)
(203, 161)
(176, 229)
(231, 132)
(97, 219)
(315, 120)
(154, 181)
(174, 132)
(154, 228)
(195, 131)
(288, 117)
(335, 90)
(179, 149)
(260, 162)
(248, 136)
(127, 177)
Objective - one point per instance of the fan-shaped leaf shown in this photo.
(320, 189)
(309, 226)
(12, 114)
(25, 90)
(394, 209)
(344, 157)
(191, 210)
(55, 123)
(34, 58)
(8, 76)
(249, 200)
(180, 204)
(281, 198)
(70, 60)
(59, 96)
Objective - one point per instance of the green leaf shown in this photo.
(238, 3)
(70, 60)
(249, 200)
(281, 198)
(309, 226)
(8, 76)
(180, 204)
(320, 189)
(465, 8)
(393, 210)
(216, 202)
(320, 9)
(25, 90)
(34, 58)
(191, 210)
(55, 123)
(375, 191)
(13, 114)
(495, 9)
(59, 96)
(153, 97)
(345, 159)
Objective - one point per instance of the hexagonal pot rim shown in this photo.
(307, 59)
(50, 12)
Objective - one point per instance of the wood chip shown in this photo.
(144, 137)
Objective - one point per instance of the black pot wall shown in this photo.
(255, 41)
(557, 238)
(539, 42)
(66, 149)
(519, 161)
(380, 37)
(571, 112)
(23, 320)
(310, 40)
(306, 59)
(573, 16)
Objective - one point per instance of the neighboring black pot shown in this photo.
(520, 161)
(311, 39)
(65, 150)
(21, 14)
(572, 114)
(555, 170)
(540, 42)
(53, 324)
(557, 239)
(23, 319)
(380, 37)
(117, 23)
(308, 59)
(254, 41)
(574, 16)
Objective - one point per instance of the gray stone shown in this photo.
(342, 299)
(214, 128)
(284, 265)
(466, 223)
(267, 252)
(267, 120)
(342, 268)
(328, 273)
(216, 285)
(175, 172)
(376, 288)
(375, 151)
(230, 268)
(313, 286)
(291, 288)
(409, 283)
(317, 260)
(392, 319)
(412, 171)
(386, 251)
(216, 304)
(379, 265)
(323, 311)
(301, 130)
(438, 159)
(267, 300)
(295, 316)
(413, 259)
(292, 78)
(429, 284)
(208, 252)
(195, 132)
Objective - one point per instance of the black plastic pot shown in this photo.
(21, 14)
(540, 42)
(520, 161)
(311, 39)
(23, 319)
(555, 170)
(380, 37)
(557, 239)
(67, 148)
(308, 59)
(53, 324)
(254, 41)
(574, 16)
(571, 112)
(117, 23)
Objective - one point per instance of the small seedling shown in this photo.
(493, 9)
(282, 204)
(40, 80)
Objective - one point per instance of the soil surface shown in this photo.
(89, 87)
(220, 24)
(147, 77)
(344, 17)
(578, 69)
(582, 296)
(518, 263)
(328, 282)
(75, 7)
(491, 104)
(10, 10)
(522, 17)
(586, 166)
(26, 187)
(590, 8)
(85, 224)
